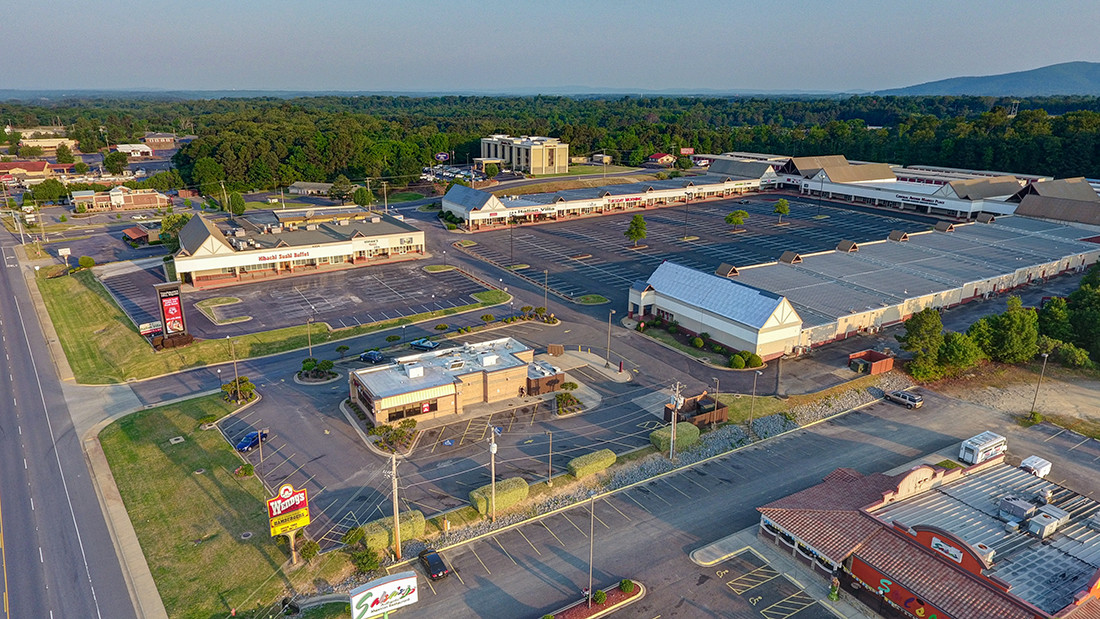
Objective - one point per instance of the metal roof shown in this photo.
(718, 295)
(441, 367)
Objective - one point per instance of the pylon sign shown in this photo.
(289, 511)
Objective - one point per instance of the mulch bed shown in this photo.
(615, 595)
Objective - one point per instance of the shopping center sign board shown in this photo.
(379, 597)
(289, 511)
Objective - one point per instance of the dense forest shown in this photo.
(262, 142)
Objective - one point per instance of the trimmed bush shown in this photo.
(365, 561)
(590, 464)
(509, 492)
(753, 360)
(737, 362)
(308, 549)
(599, 597)
(697, 342)
(626, 585)
(686, 436)
(392, 338)
(378, 534)
(353, 536)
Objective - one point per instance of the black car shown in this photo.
(372, 356)
(251, 440)
(433, 564)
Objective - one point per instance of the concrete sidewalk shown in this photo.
(813, 585)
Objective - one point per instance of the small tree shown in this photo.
(1054, 320)
(958, 352)
(86, 262)
(115, 162)
(526, 309)
(64, 154)
(342, 348)
(737, 218)
(80, 167)
(540, 311)
(361, 196)
(236, 204)
(487, 318)
(341, 189)
(392, 338)
(492, 170)
(441, 326)
(684, 163)
(308, 549)
(923, 333)
(636, 230)
(782, 207)
(325, 366)
(1015, 333)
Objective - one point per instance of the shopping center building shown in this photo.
(246, 250)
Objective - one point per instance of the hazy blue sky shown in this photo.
(491, 45)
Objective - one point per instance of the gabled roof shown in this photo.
(808, 166)
(741, 169)
(30, 166)
(197, 232)
(718, 295)
(467, 198)
(1061, 209)
(659, 155)
(982, 188)
(1064, 188)
(847, 173)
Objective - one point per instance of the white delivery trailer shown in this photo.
(1036, 466)
(982, 447)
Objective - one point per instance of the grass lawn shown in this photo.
(189, 524)
(103, 346)
(254, 205)
(434, 207)
(583, 170)
(665, 337)
(334, 610)
(741, 406)
(592, 299)
(581, 183)
(405, 196)
(439, 268)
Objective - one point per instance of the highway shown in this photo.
(57, 557)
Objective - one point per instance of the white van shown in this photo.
(982, 447)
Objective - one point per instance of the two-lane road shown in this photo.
(57, 557)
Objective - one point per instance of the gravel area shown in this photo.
(767, 427)
(847, 399)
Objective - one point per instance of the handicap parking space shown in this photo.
(345, 298)
(591, 255)
(767, 592)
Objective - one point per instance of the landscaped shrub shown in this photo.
(671, 329)
(753, 360)
(686, 436)
(737, 362)
(365, 561)
(590, 464)
(308, 549)
(697, 342)
(569, 386)
(451, 226)
(599, 597)
(1071, 356)
(378, 534)
(353, 536)
(392, 338)
(626, 585)
(567, 403)
(441, 327)
(509, 492)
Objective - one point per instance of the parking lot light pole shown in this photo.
(607, 359)
(396, 506)
(236, 376)
(716, 384)
(545, 288)
(309, 336)
(493, 474)
(444, 258)
(752, 402)
(591, 540)
(1037, 385)
(403, 333)
(550, 461)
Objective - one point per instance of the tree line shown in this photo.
(266, 142)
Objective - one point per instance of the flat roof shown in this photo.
(441, 367)
(1045, 574)
(322, 231)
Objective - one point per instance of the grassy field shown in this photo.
(103, 346)
(552, 186)
(405, 196)
(591, 299)
(582, 170)
(190, 524)
(256, 205)
(741, 406)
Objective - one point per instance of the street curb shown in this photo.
(610, 609)
(298, 381)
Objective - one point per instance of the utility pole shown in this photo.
(591, 540)
(493, 473)
(396, 519)
(385, 197)
(225, 200)
(607, 359)
(550, 461)
(677, 401)
(282, 198)
(371, 196)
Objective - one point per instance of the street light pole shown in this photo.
(591, 540)
(236, 376)
(493, 474)
(1041, 373)
(309, 336)
(545, 288)
(752, 403)
(550, 460)
(607, 359)
(396, 506)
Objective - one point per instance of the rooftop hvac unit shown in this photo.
(311, 226)
(376, 219)
(345, 222)
(1012, 526)
(1059, 514)
(1042, 526)
(1045, 495)
(414, 370)
(239, 232)
(1014, 508)
(489, 360)
(1036, 466)
(1094, 522)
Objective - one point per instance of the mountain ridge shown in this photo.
(1066, 78)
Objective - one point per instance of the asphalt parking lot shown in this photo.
(131, 284)
(341, 298)
(592, 255)
(771, 594)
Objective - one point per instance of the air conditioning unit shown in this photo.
(985, 552)
(1014, 508)
(1059, 514)
(1042, 525)
(1094, 522)
(1012, 526)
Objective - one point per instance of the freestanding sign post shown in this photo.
(288, 512)
(379, 597)
(171, 309)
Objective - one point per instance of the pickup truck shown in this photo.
(424, 344)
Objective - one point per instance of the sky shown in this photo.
(343, 45)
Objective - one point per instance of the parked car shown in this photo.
(424, 344)
(433, 564)
(910, 400)
(139, 217)
(251, 440)
(372, 356)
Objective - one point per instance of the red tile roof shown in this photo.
(30, 166)
(136, 232)
(659, 155)
(1088, 610)
(953, 591)
(843, 489)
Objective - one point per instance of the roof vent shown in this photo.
(726, 270)
(790, 257)
(898, 235)
(986, 218)
(847, 246)
(945, 226)
(985, 552)
(239, 232)
(414, 370)
(1012, 526)
(1045, 495)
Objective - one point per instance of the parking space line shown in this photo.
(597, 519)
(552, 533)
(454, 571)
(645, 490)
(579, 530)
(280, 464)
(497, 540)
(628, 518)
(685, 476)
(429, 581)
(520, 531)
(686, 495)
(627, 495)
(1079, 444)
(753, 579)
(479, 560)
(1061, 430)
(788, 606)
(463, 438)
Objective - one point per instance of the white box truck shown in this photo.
(1036, 466)
(982, 447)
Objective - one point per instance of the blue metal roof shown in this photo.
(718, 295)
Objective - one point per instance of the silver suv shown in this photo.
(910, 400)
